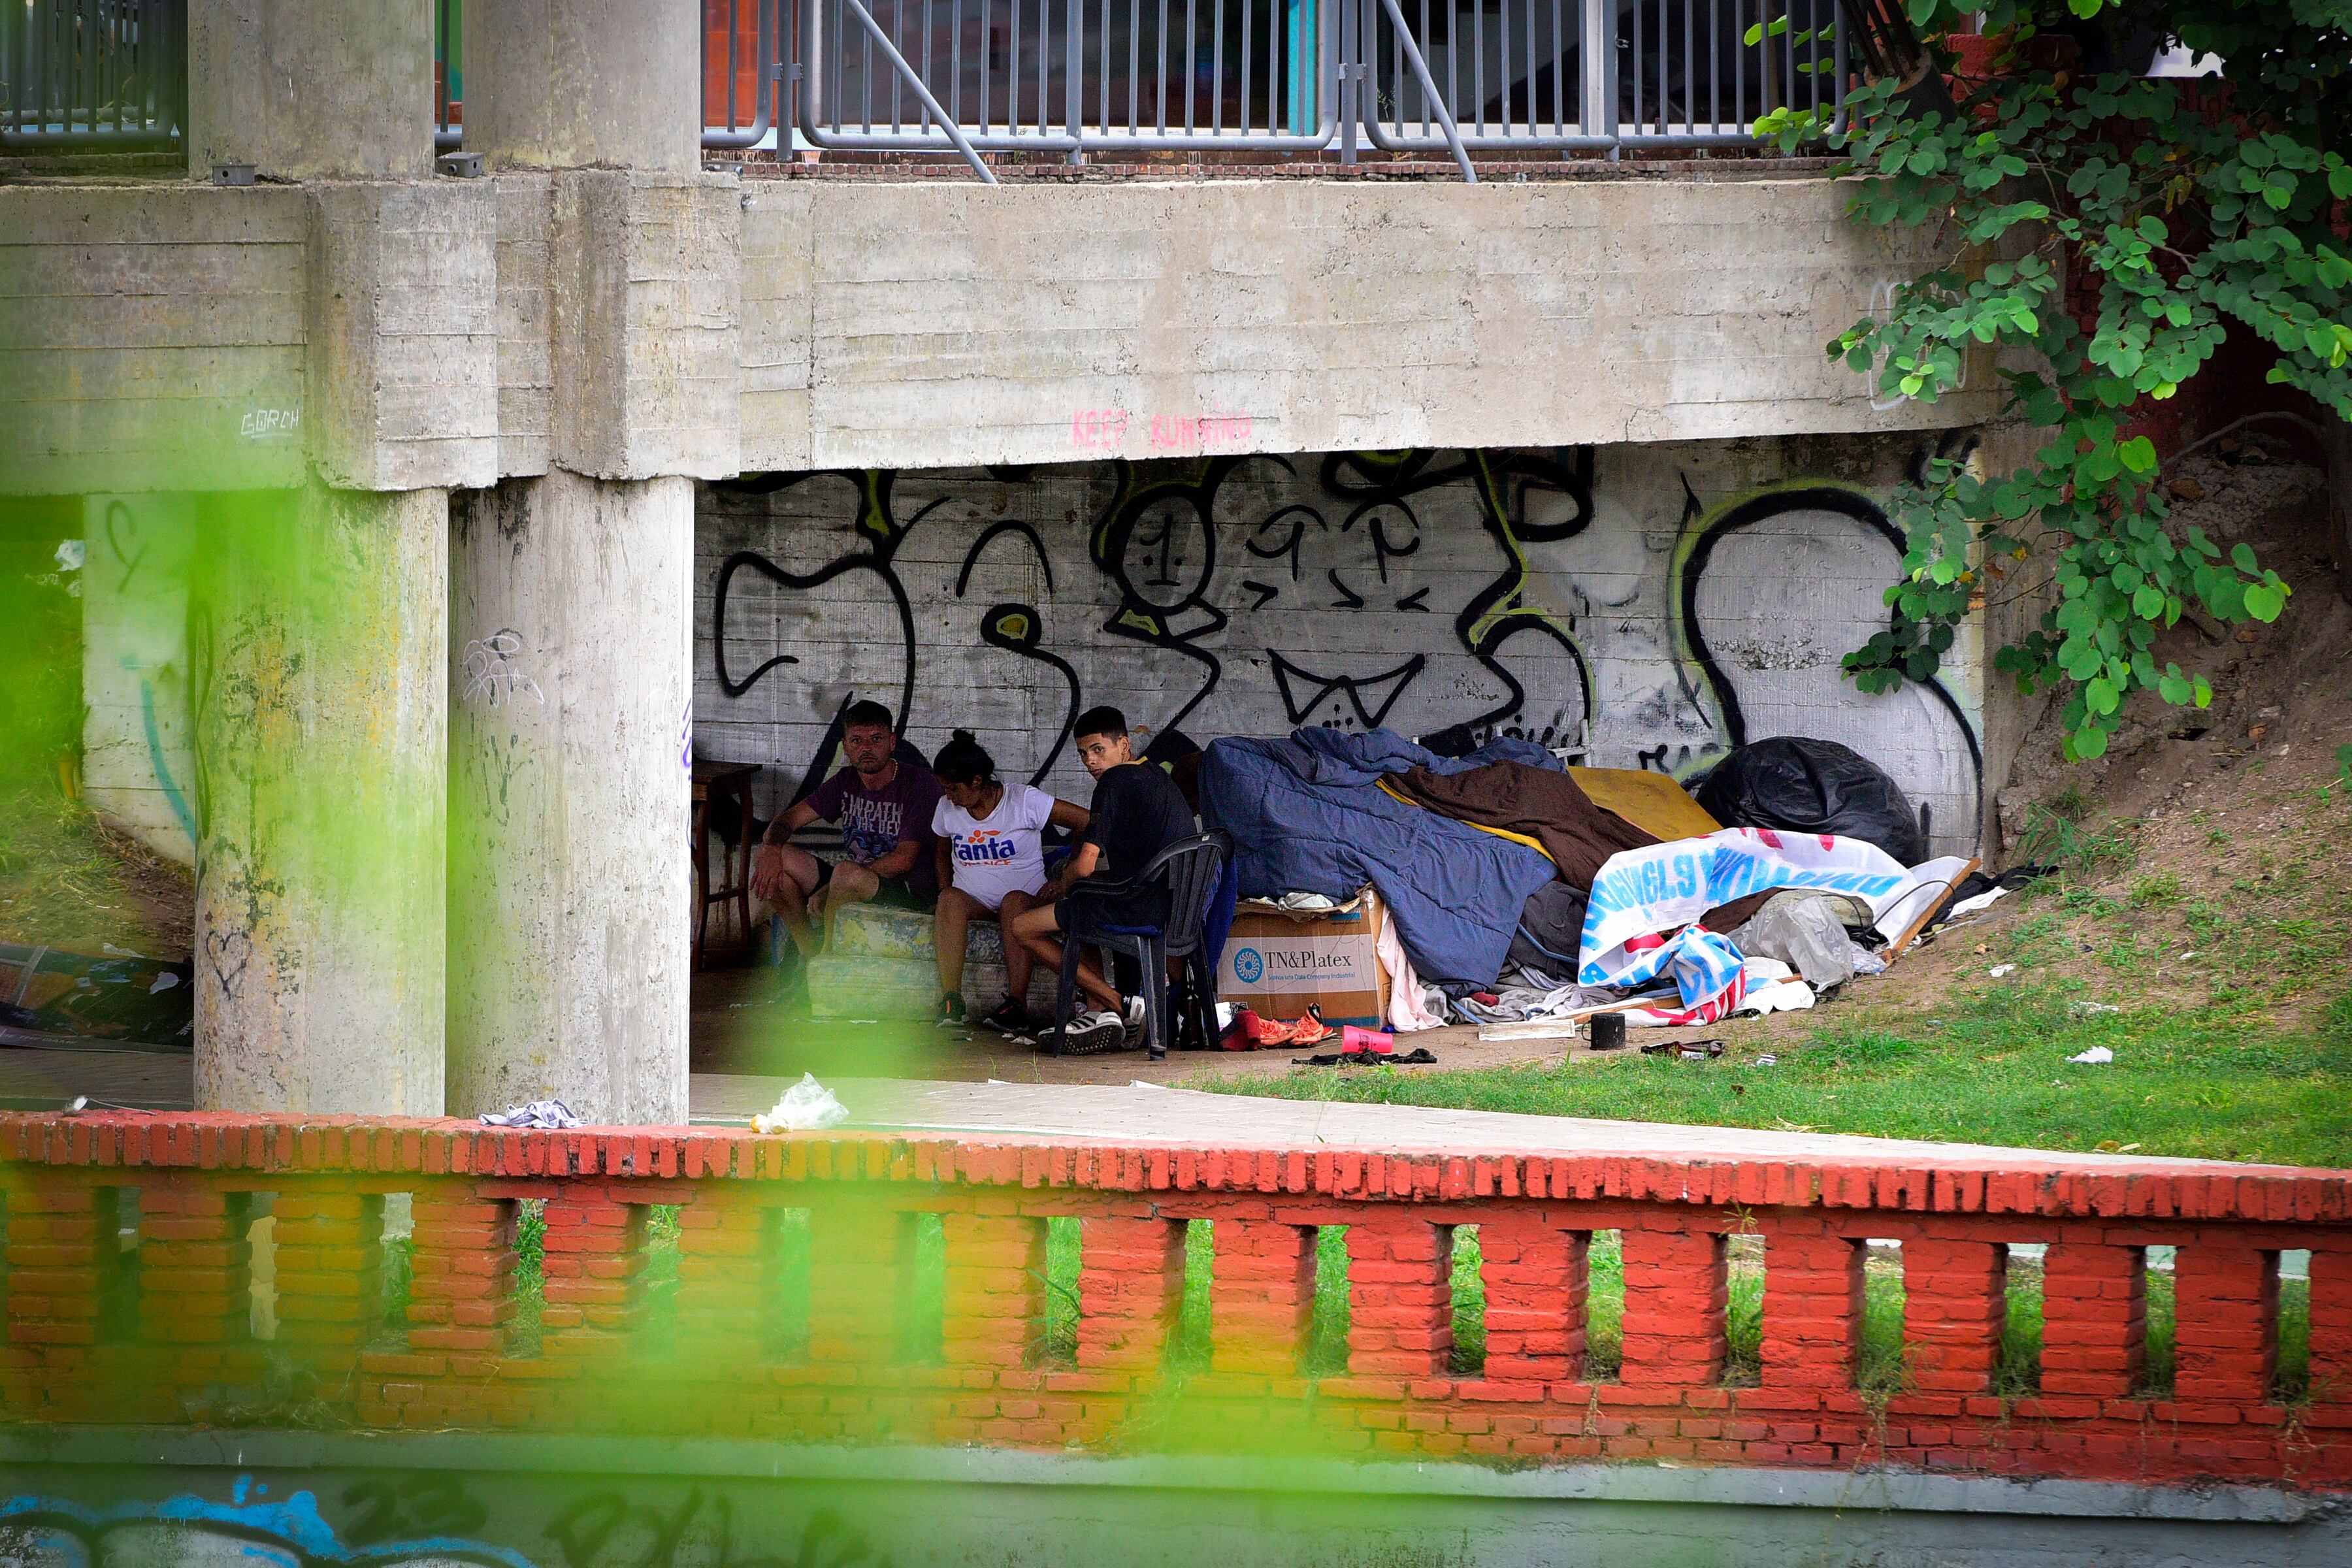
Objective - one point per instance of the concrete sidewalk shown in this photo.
(1133, 1111)
(1148, 1113)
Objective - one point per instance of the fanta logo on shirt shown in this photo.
(982, 847)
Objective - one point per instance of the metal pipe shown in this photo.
(1599, 40)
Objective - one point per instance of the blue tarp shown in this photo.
(1305, 816)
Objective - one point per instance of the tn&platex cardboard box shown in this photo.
(1276, 964)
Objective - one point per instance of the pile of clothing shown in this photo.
(1525, 890)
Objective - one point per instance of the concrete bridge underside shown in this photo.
(411, 420)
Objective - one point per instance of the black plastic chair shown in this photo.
(1188, 870)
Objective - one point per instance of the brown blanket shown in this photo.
(1544, 805)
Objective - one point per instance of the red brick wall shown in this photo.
(157, 1333)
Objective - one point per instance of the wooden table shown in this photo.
(715, 784)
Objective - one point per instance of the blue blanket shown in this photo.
(1307, 817)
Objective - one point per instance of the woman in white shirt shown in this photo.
(992, 861)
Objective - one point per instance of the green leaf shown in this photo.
(2139, 455)
(2101, 695)
(2242, 557)
(2265, 602)
(2148, 603)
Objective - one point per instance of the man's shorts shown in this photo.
(1086, 919)
(894, 892)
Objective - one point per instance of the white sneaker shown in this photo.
(1090, 1032)
(1134, 1020)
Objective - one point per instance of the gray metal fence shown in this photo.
(1068, 76)
(1075, 76)
(101, 74)
(1515, 75)
(1700, 72)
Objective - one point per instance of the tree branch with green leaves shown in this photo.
(2181, 212)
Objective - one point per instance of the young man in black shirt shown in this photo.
(1138, 811)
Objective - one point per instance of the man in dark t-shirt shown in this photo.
(1138, 811)
(884, 804)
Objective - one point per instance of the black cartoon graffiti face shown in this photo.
(1166, 551)
(1319, 569)
(1156, 542)
(1540, 687)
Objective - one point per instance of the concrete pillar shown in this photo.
(571, 674)
(579, 84)
(311, 90)
(138, 766)
(570, 659)
(318, 621)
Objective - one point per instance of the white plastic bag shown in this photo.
(2097, 1056)
(807, 1106)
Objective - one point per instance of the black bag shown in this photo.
(1813, 786)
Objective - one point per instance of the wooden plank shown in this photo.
(1894, 949)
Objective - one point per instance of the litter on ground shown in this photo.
(806, 1107)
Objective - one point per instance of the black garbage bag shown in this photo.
(1813, 786)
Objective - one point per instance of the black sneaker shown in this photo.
(952, 1012)
(1010, 1018)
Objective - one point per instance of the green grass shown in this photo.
(1062, 1255)
(1992, 1070)
(1469, 1305)
(523, 1337)
(66, 880)
(2231, 978)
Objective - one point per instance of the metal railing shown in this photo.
(107, 75)
(743, 72)
(1075, 76)
(1514, 75)
(1698, 73)
(1070, 76)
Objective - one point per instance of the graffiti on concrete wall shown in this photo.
(1645, 606)
(428, 1520)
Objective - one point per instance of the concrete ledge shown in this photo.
(927, 324)
(1883, 1491)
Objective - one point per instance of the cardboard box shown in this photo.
(1278, 964)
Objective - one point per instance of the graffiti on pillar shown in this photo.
(123, 542)
(494, 672)
(1623, 606)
